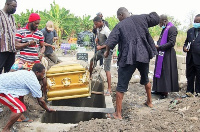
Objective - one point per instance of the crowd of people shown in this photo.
(24, 74)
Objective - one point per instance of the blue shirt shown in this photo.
(20, 83)
(48, 38)
(133, 37)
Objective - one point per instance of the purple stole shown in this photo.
(162, 53)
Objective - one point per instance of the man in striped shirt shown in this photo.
(7, 35)
(18, 84)
(31, 40)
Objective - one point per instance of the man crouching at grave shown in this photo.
(17, 84)
(102, 34)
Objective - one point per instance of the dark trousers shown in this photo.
(193, 75)
(101, 60)
(7, 59)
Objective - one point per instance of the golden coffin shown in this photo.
(67, 81)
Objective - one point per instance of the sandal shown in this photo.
(25, 120)
(107, 93)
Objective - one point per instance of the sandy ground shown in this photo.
(165, 116)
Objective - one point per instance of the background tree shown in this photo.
(22, 18)
(60, 17)
(112, 21)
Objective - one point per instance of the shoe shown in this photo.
(184, 96)
(25, 120)
(154, 92)
(107, 93)
(197, 95)
(188, 94)
(163, 96)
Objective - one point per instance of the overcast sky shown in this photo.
(180, 9)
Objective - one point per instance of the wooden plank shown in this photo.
(83, 109)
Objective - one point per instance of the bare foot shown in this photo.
(148, 104)
(114, 116)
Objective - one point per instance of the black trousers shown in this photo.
(193, 75)
(101, 60)
(7, 59)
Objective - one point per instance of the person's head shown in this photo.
(197, 21)
(18, 25)
(99, 14)
(10, 6)
(122, 13)
(163, 21)
(98, 22)
(39, 71)
(34, 21)
(49, 26)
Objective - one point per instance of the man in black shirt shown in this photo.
(136, 48)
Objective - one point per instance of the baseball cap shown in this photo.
(50, 26)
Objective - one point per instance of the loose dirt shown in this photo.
(172, 114)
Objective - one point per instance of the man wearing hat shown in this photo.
(50, 36)
(30, 42)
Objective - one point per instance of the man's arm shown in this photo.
(43, 105)
(107, 51)
(46, 44)
(99, 47)
(19, 45)
(113, 40)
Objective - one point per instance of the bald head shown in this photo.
(10, 6)
(163, 20)
(10, 1)
(163, 17)
(122, 13)
(197, 19)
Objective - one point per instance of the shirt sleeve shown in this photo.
(33, 85)
(107, 31)
(18, 36)
(113, 38)
(0, 26)
(41, 38)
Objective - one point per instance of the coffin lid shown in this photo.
(65, 68)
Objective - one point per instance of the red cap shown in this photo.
(33, 17)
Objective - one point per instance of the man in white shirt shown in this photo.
(102, 34)
(14, 85)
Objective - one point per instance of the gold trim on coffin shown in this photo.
(68, 84)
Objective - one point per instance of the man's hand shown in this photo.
(156, 46)
(106, 54)
(99, 47)
(96, 40)
(32, 42)
(51, 110)
(53, 47)
(55, 38)
(185, 49)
